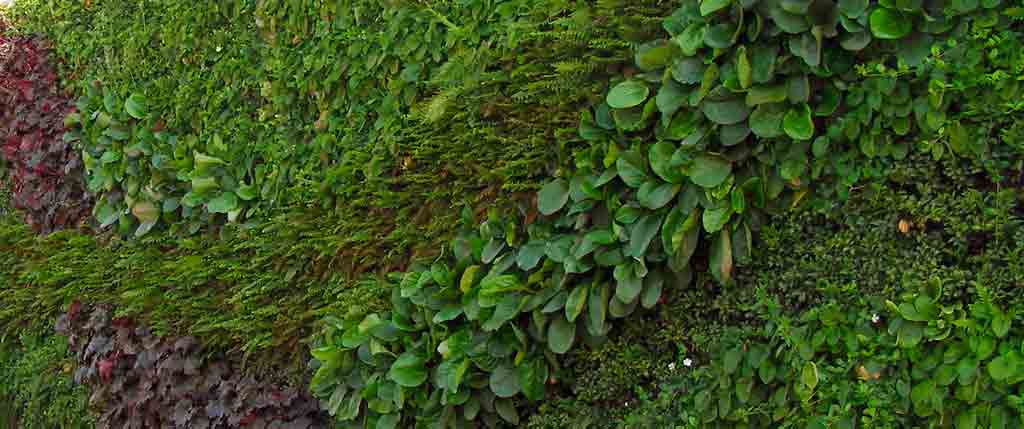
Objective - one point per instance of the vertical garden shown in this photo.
(512, 213)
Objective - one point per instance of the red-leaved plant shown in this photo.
(139, 380)
(44, 172)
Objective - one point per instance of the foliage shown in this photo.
(960, 231)
(38, 392)
(396, 108)
(722, 151)
(141, 380)
(253, 293)
(837, 365)
(41, 168)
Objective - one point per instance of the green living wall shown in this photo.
(751, 213)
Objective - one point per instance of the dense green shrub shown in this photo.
(735, 111)
(727, 135)
(37, 390)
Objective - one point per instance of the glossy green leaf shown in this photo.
(553, 196)
(409, 370)
(655, 195)
(135, 105)
(645, 230)
(889, 24)
(709, 171)
(707, 7)
(660, 155)
(225, 202)
(504, 381)
(798, 123)
(576, 302)
(726, 112)
(630, 93)
(561, 335)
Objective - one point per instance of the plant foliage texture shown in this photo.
(43, 170)
(141, 380)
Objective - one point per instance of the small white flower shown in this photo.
(218, 49)
(875, 318)
(688, 362)
(672, 366)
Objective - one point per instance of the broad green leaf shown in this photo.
(468, 278)
(136, 106)
(561, 335)
(731, 135)
(855, 41)
(691, 39)
(576, 301)
(671, 96)
(766, 120)
(644, 231)
(731, 360)
(715, 219)
(226, 202)
(789, 22)
(630, 93)
(1001, 324)
(655, 195)
(967, 419)
(533, 375)
(146, 211)
(660, 155)
(507, 309)
(597, 309)
(628, 287)
(504, 381)
(726, 112)
(451, 373)
(1003, 367)
(853, 8)
(688, 70)
(744, 72)
(388, 421)
(409, 370)
(720, 36)
(762, 94)
(798, 123)
(553, 196)
(653, 284)
(632, 169)
(709, 171)
(507, 411)
(889, 24)
(809, 375)
(721, 263)
(530, 254)
(707, 7)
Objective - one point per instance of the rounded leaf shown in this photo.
(630, 93)
(709, 171)
(798, 123)
(553, 196)
(505, 382)
(889, 24)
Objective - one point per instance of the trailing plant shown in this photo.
(42, 169)
(141, 380)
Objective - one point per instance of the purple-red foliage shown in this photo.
(45, 172)
(139, 380)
